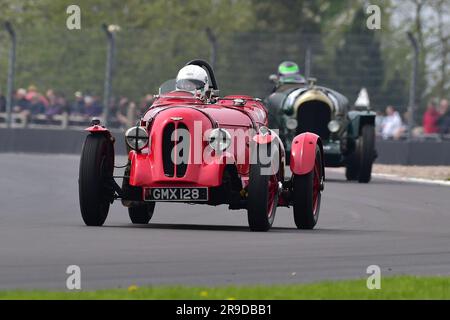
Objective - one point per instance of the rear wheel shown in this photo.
(141, 214)
(95, 173)
(307, 190)
(262, 196)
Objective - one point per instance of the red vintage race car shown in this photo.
(205, 151)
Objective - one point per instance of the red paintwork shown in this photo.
(263, 139)
(178, 120)
(223, 111)
(147, 168)
(97, 128)
(303, 153)
(316, 185)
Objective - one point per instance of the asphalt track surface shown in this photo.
(402, 227)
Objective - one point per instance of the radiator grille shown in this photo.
(173, 138)
(313, 117)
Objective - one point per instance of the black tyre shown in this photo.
(262, 197)
(352, 168)
(96, 170)
(307, 195)
(359, 163)
(366, 153)
(141, 214)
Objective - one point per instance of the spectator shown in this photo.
(392, 124)
(62, 101)
(31, 103)
(430, 118)
(2, 103)
(36, 107)
(56, 104)
(379, 118)
(78, 106)
(112, 114)
(32, 92)
(21, 103)
(52, 107)
(122, 112)
(146, 103)
(133, 113)
(444, 119)
(50, 96)
(92, 107)
(98, 106)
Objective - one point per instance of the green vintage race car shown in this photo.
(347, 132)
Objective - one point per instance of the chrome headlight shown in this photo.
(219, 139)
(334, 126)
(137, 138)
(291, 124)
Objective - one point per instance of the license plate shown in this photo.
(176, 194)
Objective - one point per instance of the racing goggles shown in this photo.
(189, 85)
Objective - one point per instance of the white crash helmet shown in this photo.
(193, 79)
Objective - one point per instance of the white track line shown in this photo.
(394, 177)
(408, 179)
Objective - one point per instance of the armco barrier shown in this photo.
(71, 141)
(49, 141)
(419, 153)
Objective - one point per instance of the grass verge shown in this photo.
(401, 287)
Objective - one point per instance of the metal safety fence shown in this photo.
(116, 71)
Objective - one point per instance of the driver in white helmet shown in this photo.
(193, 79)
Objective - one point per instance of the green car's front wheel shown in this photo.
(359, 163)
(367, 153)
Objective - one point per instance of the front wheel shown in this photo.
(352, 168)
(359, 163)
(307, 190)
(141, 214)
(367, 153)
(262, 197)
(96, 170)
